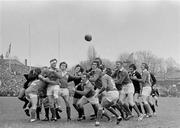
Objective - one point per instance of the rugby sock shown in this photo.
(53, 113)
(127, 109)
(144, 109)
(99, 115)
(95, 109)
(119, 108)
(104, 113)
(68, 111)
(33, 113)
(147, 108)
(113, 111)
(136, 109)
(81, 112)
(153, 108)
(139, 107)
(156, 102)
(130, 108)
(77, 109)
(46, 112)
(57, 114)
(38, 110)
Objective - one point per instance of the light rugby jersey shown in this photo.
(146, 77)
(108, 82)
(64, 79)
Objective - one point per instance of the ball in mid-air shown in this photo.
(88, 37)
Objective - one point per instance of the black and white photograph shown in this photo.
(89, 63)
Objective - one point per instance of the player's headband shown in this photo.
(53, 61)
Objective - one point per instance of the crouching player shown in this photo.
(88, 93)
(155, 94)
(110, 95)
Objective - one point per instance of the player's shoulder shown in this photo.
(146, 72)
(104, 77)
(137, 73)
(97, 70)
(125, 72)
(88, 84)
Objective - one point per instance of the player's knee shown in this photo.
(120, 102)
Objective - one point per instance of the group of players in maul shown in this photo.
(104, 88)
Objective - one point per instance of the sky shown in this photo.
(41, 30)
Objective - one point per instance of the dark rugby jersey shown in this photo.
(77, 81)
(122, 78)
(135, 82)
(95, 78)
(31, 76)
(155, 92)
(90, 87)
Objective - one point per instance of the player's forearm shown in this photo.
(81, 92)
(47, 80)
(102, 90)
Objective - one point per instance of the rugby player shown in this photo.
(146, 87)
(88, 93)
(95, 79)
(110, 95)
(64, 91)
(155, 94)
(77, 81)
(127, 90)
(137, 85)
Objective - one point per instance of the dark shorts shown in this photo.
(77, 95)
(137, 90)
(119, 87)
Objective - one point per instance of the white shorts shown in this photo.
(53, 91)
(129, 88)
(146, 91)
(111, 96)
(34, 100)
(96, 92)
(63, 92)
(92, 100)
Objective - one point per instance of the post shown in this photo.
(58, 41)
(29, 48)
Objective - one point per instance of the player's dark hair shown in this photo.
(133, 66)
(118, 61)
(81, 68)
(108, 71)
(86, 74)
(97, 62)
(63, 63)
(37, 71)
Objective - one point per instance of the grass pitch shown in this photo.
(12, 116)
